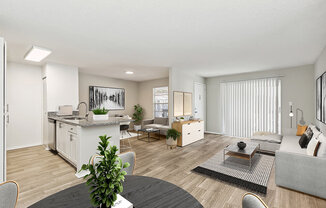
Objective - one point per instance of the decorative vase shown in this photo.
(100, 117)
(242, 145)
(171, 142)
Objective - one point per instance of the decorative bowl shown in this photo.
(242, 145)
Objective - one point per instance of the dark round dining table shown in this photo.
(141, 191)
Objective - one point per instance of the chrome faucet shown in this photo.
(85, 106)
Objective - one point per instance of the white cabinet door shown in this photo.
(73, 148)
(59, 138)
(63, 142)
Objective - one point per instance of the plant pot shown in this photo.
(100, 117)
(171, 142)
(137, 127)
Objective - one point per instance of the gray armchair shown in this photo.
(250, 200)
(8, 194)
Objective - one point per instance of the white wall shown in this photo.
(145, 95)
(181, 80)
(320, 68)
(24, 96)
(297, 87)
(62, 85)
(131, 88)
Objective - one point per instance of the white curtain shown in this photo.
(250, 106)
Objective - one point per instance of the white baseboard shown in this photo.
(212, 132)
(22, 146)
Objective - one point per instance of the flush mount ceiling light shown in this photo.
(37, 54)
(129, 72)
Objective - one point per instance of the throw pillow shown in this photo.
(305, 138)
(301, 130)
(315, 132)
(313, 146)
(322, 148)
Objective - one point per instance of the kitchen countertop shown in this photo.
(89, 121)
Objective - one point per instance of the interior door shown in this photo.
(3, 112)
(200, 101)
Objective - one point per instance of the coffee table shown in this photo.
(247, 153)
(148, 131)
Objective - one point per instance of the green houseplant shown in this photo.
(138, 116)
(171, 137)
(105, 177)
(100, 114)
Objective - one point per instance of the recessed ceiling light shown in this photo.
(129, 72)
(37, 54)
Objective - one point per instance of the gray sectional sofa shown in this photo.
(296, 170)
(159, 123)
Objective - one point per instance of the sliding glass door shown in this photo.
(250, 106)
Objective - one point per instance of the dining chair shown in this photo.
(129, 157)
(9, 191)
(250, 200)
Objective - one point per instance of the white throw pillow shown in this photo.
(313, 147)
(322, 147)
(315, 132)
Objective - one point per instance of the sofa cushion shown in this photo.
(322, 147)
(301, 130)
(313, 147)
(155, 126)
(315, 132)
(305, 138)
(162, 121)
(291, 144)
(272, 138)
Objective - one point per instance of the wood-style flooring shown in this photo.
(41, 173)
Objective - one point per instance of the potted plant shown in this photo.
(100, 114)
(171, 137)
(181, 119)
(138, 117)
(106, 176)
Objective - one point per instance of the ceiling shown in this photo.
(208, 38)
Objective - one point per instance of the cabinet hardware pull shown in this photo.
(188, 123)
(198, 130)
(188, 133)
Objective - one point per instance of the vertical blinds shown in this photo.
(250, 106)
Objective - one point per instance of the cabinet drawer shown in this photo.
(72, 129)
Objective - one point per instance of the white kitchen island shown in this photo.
(77, 140)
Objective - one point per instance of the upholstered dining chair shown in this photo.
(250, 200)
(9, 191)
(129, 157)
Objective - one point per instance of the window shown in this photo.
(250, 106)
(161, 102)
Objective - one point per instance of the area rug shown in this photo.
(127, 136)
(236, 171)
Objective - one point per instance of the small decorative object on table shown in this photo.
(171, 138)
(242, 145)
(105, 177)
(181, 119)
(100, 114)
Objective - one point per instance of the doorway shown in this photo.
(200, 101)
